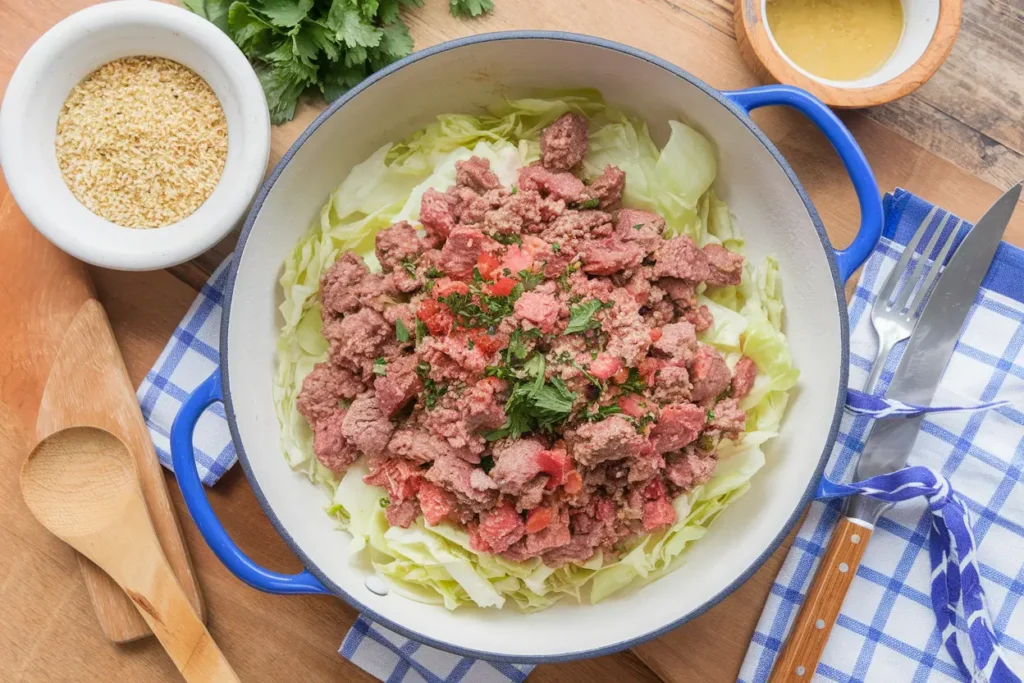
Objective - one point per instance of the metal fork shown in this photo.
(895, 320)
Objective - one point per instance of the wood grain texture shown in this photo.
(809, 635)
(89, 385)
(42, 292)
(82, 484)
(761, 55)
(275, 638)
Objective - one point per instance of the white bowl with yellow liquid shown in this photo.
(849, 53)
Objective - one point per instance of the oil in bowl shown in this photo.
(142, 142)
(839, 40)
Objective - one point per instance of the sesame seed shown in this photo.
(142, 142)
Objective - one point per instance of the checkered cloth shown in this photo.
(887, 629)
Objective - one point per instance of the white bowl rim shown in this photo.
(152, 248)
(279, 168)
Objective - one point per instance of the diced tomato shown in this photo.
(516, 259)
(427, 309)
(630, 405)
(539, 519)
(487, 344)
(654, 490)
(604, 366)
(446, 287)
(502, 287)
(648, 367)
(573, 483)
(486, 263)
(436, 316)
(658, 513)
(435, 502)
(655, 334)
(555, 462)
(621, 376)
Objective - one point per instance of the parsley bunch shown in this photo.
(330, 45)
(533, 404)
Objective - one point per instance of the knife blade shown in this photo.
(929, 349)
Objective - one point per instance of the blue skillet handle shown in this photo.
(205, 395)
(851, 258)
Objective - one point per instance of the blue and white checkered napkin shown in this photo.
(887, 630)
(191, 355)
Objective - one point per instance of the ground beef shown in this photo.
(678, 425)
(554, 535)
(436, 214)
(330, 446)
(436, 503)
(724, 267)
(455, 475)
(556, 186)
(476, 174)
(680, 291)
(610, 255)
(680, 258)
(563, 144)
(573, 227)
(532, 494)
(462, 251)
(483, 404)
(657, 513)
(743, 377)
(338, 285)
(614, 438)
(540, 310)
(481, 208)
(498, 529)
(700, 318)
(366, 427)
(515, 464)
(397, 245)
(400, 478)
(402, 514)
(709, 374)
(450, 358)
(678, 342)
(728, 418)
(607, 188)
(323, 388)
(640, 227)
(358, 340)
(398, 386)
(673, 385)
(448, 421)
(415, 443)
(690, 470)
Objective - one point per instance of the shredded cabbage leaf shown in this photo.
(435, 564)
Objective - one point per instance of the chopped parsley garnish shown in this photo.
(588, 204)
(711, 415)
(487, 463)
(471, 344)
(432, 391)
(410, 267)
(433, 273)
(514, 238)
(634, 384)
(581, 318)
(516, 346)
(600, 412)
(401, 332)
(534, 404)
(383, 502)
(530, 279)
(380, 367)
(645, 420)
(556, 247)
(421, 331)
(638, 226)
(515, 189)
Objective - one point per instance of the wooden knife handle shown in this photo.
(809, 635)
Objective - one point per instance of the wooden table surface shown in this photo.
(958, 141)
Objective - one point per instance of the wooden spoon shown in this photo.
(80, 483)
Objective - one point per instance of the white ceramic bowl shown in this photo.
(770, 207)
(71, 50)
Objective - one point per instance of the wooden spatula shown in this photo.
(81, 484)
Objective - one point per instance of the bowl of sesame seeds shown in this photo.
(134, 135)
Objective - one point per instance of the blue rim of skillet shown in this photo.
(575, 38)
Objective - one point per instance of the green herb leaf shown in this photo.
(581, 318)
(529, 279)
(514, 238)
(588, 204)
(409, 265)
(556, 247)
(711, 415)
(383, 502)
(469, 8)
(515, 189)
(285, 13)
(598, 413)
(634, 383)
(401, 332)
(421, 331)
(380, 367)
(638, 226)
(215, 11)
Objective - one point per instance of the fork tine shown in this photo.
(894, 277)
(920, 269)
(933, 274)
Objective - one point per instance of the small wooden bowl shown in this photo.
(930, 28)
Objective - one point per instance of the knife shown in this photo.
(890, 441)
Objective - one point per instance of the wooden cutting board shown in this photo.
(60, 366)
